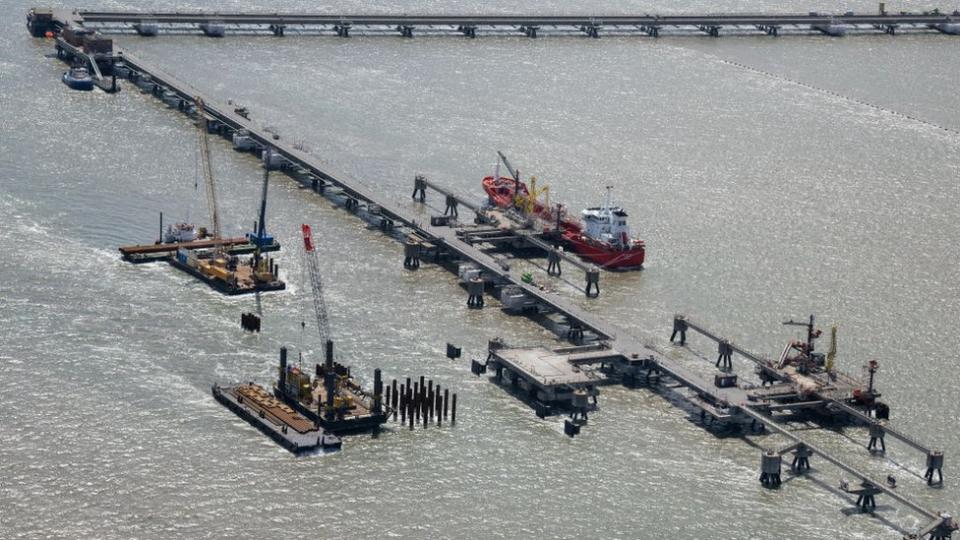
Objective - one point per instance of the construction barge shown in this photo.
(332, 398)
(274, 418)
(227, 274)
(797, 382)
(224, 272)
(160, 251)
(206, 255)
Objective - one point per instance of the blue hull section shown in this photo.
(77, 84)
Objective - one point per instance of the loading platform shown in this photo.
(601, 352)
(216, 24)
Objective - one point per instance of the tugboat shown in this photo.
(602, 237)
(180, 232)
(78, 78)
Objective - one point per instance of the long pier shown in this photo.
(216, 24)
(601, 351)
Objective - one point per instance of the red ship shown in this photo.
(602, 237)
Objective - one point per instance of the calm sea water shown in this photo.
(771, 178)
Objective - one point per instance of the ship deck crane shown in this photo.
(515, 173)
(527, 203)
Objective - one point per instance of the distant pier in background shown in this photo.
(218, 24)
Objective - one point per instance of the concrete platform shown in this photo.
(546, 368)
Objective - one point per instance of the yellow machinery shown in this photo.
(528, 203)
(298, 383)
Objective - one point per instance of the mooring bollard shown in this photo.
(575, 334)
(876, 438)
(934, 464)
(801, 459)
(411, 255)
(770, 464)
(725, 355)
(475, 288)
(553, 263)
(451, 207)
(419, 188)
(593, 282)
(679, 327)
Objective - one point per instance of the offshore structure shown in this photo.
(566, 380)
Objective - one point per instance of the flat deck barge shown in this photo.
(241, 280)
(275, 419)
(146, 253)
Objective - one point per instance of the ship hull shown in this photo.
(606, 256)
(82, 84)
(502, 190)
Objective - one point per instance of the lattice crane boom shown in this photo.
(207, 169)
(316, 284)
